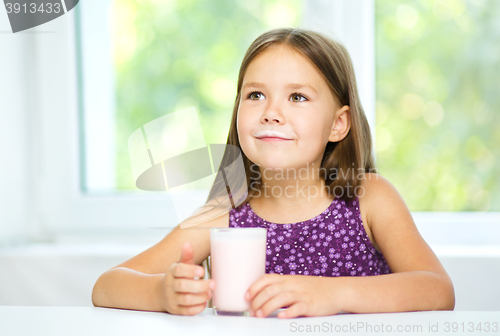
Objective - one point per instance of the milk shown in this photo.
(238, 259)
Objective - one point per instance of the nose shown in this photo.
(276, 119)
(273, 114)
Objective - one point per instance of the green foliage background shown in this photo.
(437, 82)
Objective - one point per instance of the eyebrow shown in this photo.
(295, 86)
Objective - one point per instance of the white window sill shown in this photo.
(63, 274)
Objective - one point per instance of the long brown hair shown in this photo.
(352, 156)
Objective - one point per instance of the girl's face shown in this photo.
(286, 112)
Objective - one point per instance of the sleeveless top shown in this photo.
(334, 243)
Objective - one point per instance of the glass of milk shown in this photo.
(237, 259)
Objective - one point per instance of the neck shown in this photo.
(292, 188)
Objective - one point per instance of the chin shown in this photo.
(274, 164)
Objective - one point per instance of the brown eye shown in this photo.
(297, 97)
(256, 95)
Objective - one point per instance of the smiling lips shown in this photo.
(272, 136)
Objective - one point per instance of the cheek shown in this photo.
(312, 128)
(243, 123)
(316, 134)
(239, 125)
(242, 127)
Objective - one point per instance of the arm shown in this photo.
(418, 281)
(152, 279)
(122, 287)
(397, 292)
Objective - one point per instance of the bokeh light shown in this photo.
(438, 138)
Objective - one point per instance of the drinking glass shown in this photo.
(237, 260)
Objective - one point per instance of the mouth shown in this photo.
(273, 139)
(272, 136)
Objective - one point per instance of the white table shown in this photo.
(75, 321)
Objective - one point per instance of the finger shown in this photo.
(295, 310)
(266, 294)
(191, 310)
(190, 299)
(277, 285)
(260, 284)
(187, 253)
(192, 286)
(274, 303)
(182, 270)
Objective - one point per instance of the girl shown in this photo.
(340, 238)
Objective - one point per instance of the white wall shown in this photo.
(15, 163)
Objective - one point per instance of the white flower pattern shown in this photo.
(334, 243)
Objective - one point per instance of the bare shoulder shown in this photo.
(377, 198)
(373, 183)
(377, 191)
(393, 228)
(160, 256)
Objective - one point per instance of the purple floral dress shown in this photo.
(334, 243)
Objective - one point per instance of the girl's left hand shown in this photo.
(305, 295)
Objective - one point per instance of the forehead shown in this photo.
(284, 63)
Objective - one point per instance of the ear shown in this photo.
(341, 124)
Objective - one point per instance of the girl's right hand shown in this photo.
(184, 292)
